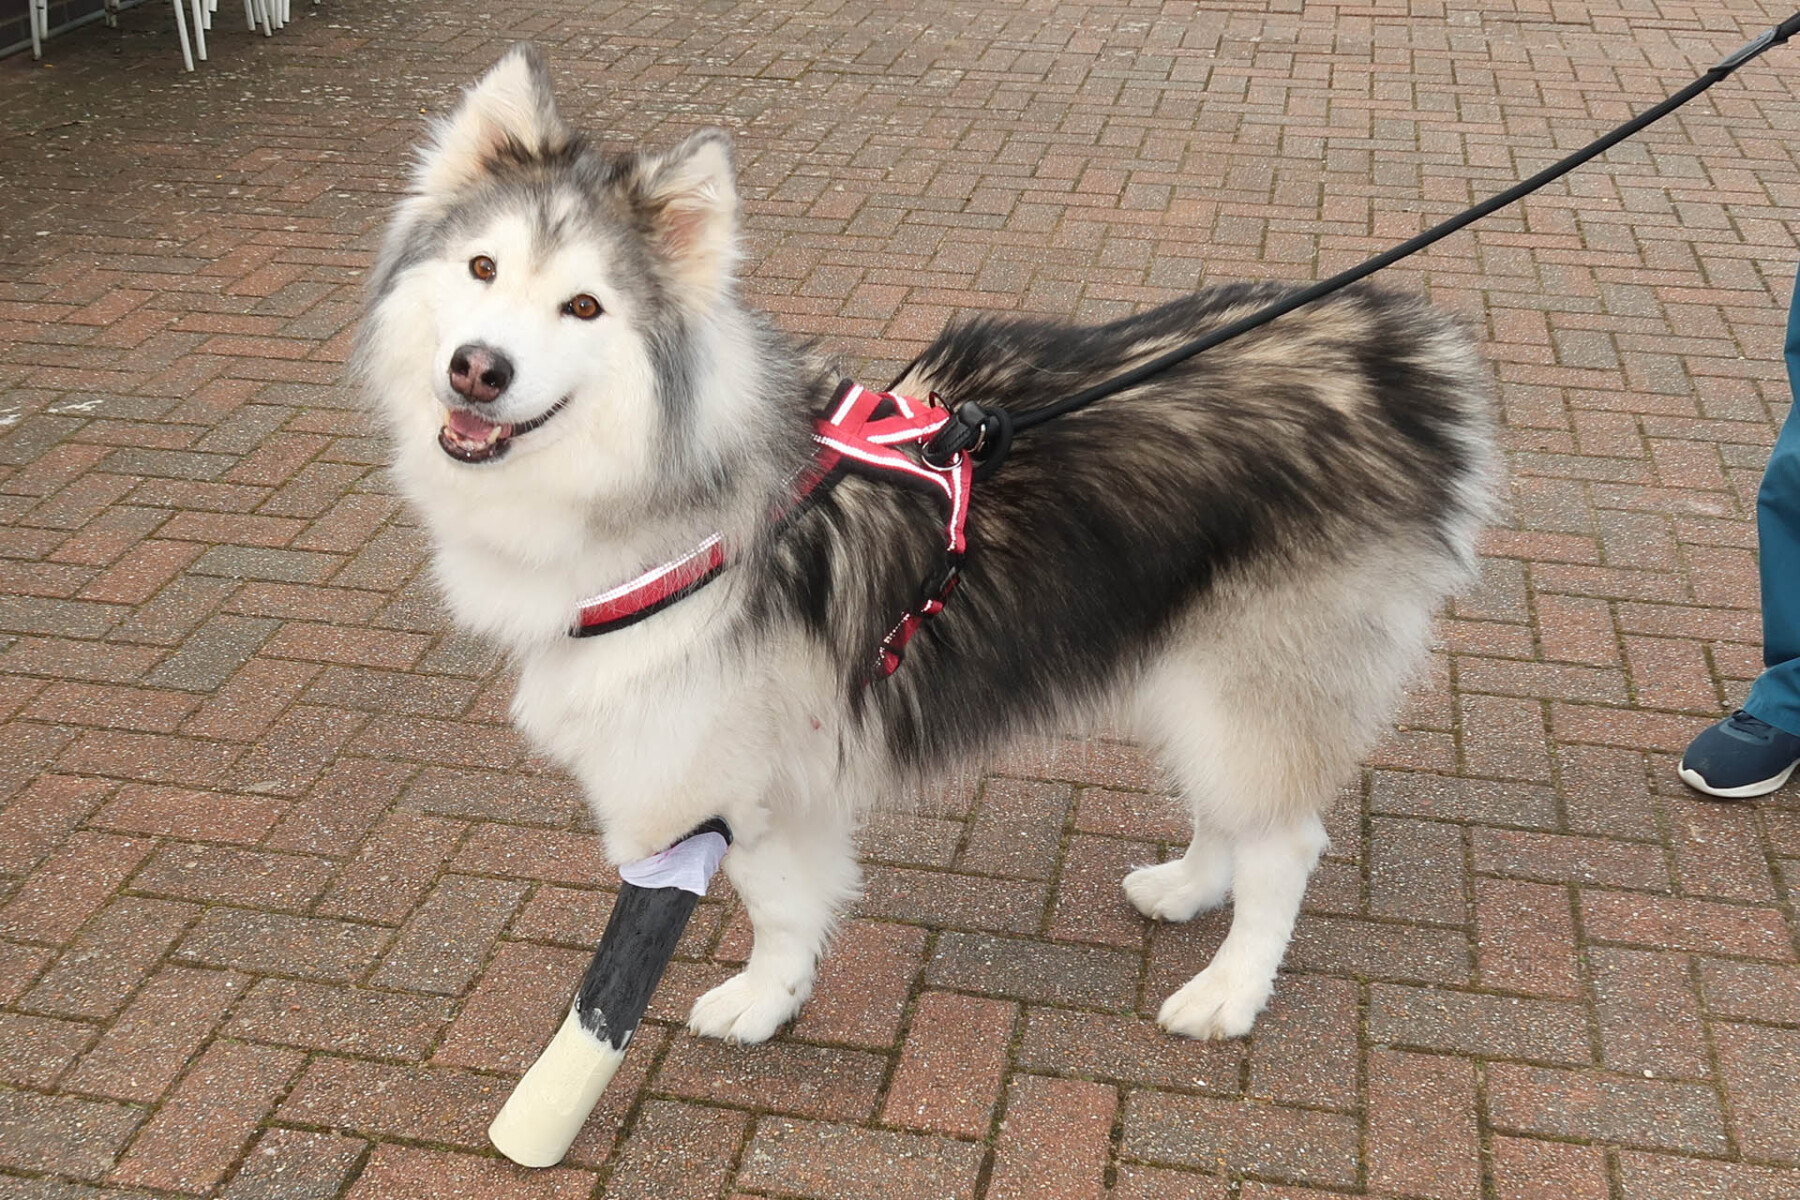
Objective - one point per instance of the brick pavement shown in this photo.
(285, 907)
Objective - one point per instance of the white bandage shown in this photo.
(688, 864)
(540, 1119)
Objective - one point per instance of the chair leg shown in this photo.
(33, 11)
(187, 55)
(199, 28)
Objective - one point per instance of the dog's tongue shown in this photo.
(467, 425)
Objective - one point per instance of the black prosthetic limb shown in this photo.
(640, 938)
(544, 1113)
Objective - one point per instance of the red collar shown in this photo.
(651, 592)
(863, 432)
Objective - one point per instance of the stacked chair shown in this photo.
(270, 15)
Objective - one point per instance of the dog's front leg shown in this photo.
(794, 879)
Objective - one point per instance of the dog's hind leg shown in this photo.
(1184, 887)
(1269, 872)
(1255, 782)
(794, 880)
(1260, 713)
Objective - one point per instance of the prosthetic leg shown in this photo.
(544, 1113)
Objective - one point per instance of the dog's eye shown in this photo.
(482, 267)
(583, 306)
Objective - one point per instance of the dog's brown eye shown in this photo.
(583, 306)
(482, 267)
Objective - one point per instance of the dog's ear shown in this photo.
(691, 202)
(510, 112)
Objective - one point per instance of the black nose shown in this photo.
(479, 373)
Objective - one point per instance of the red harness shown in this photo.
(863, 433)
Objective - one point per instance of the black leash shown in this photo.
(987, 431)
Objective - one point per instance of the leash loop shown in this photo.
(1757, 44)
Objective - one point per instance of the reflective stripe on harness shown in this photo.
(862, 433)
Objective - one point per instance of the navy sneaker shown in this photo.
(1740, 757)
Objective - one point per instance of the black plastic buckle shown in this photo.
(984, 434)
(963, 433)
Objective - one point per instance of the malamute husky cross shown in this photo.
(1237, 561)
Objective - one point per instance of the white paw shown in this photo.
(747, 1008)
(1215, 1004)
(1169, 891)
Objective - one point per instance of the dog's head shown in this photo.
(543, 307)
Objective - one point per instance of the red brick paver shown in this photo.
(285, 907)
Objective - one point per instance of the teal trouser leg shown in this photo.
(1775, 696)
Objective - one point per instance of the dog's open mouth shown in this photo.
(468, 437)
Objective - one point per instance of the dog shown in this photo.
(1237, 560)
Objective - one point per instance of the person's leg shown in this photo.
(1755, 750)
(1775, 696)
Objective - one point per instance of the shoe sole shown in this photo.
(1761, 787)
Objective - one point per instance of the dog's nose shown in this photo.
(479, 373)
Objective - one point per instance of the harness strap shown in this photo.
(863, 433)
(863, 430)
(860, 433)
